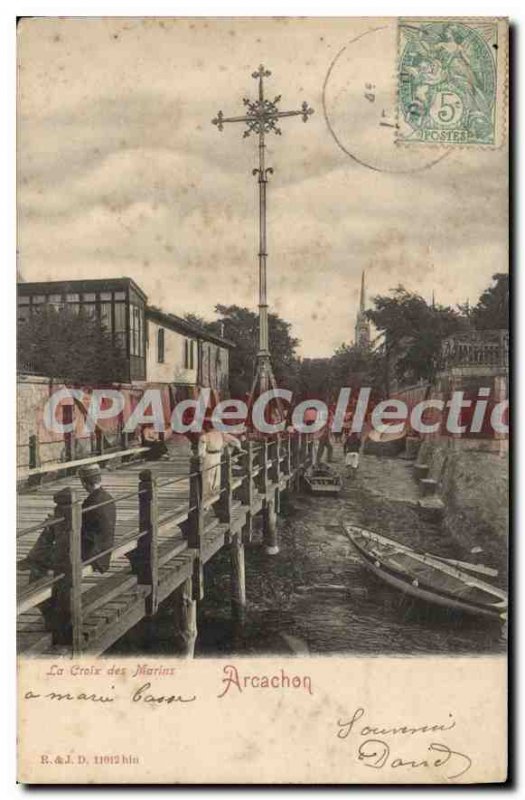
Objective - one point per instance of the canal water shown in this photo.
(316, 596)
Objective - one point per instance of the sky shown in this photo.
(121, 173)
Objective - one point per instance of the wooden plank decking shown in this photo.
(104, 606)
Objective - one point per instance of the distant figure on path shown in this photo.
(352, 448)
(326, 440)
(211, 445)
(157, 446)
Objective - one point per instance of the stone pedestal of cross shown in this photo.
(261, 118)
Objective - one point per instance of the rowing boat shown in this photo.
(426, 577)
(384, 443)
(323, 480)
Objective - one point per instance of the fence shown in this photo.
(476, 348)
(249, 482)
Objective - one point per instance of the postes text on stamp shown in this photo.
(448, 81)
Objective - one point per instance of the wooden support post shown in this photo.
(124, 435)
(247, 491)
(237, 577)
(276, 472)
(196, 511)
(309, 449)
(294, 456)
(271, 546)
(276, 466)
(66, 603)
(34, 452)
(264, 467)
(198, 579)
(224, 504)
(147, 547)
(69, 438)
(196, 523)
(299, 462)
(186, 612)
(285, 471)
(294, 444)
(100, 441)
(289, 455)
(303, 448)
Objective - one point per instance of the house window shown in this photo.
(189, 354)
(160, 345)
(137, 340)
(120, 324)
(105, 316)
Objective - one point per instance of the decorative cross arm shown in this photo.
(262, 114)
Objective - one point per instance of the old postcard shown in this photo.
(262, 471)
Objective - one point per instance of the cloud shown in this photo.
(122, 173)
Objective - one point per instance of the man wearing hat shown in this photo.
(97, 531)
(98, 518)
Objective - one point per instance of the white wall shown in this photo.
(172, 370)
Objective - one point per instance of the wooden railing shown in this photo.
(250, 481)
(38, 468)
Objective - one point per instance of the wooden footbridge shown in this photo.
(170, 519)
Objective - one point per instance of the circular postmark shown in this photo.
(360, 94)
(447, 84)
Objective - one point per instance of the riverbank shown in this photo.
(316, 597)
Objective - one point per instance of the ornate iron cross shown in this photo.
(261, 118)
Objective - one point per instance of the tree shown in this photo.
(492, 309)
(315, 378)
(241, 326)
(354, 367)
(412, 333)
(200, 322)
(69, 346)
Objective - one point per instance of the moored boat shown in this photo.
(384, 443)
(323, 479)
(426, 577)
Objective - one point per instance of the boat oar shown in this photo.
(481, 568)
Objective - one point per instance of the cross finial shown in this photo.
(218, 121)
(307, 111)
(262, 115)
(261, 72)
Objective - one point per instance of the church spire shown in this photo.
(362, 325)
(362, 299)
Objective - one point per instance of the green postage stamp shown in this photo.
(452, 77)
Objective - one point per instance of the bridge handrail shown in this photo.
(58, 466)
(65, 587)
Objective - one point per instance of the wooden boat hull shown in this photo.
(388, 447)
(424, 588)
(323, 481)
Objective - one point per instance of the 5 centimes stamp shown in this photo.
(451, 81)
